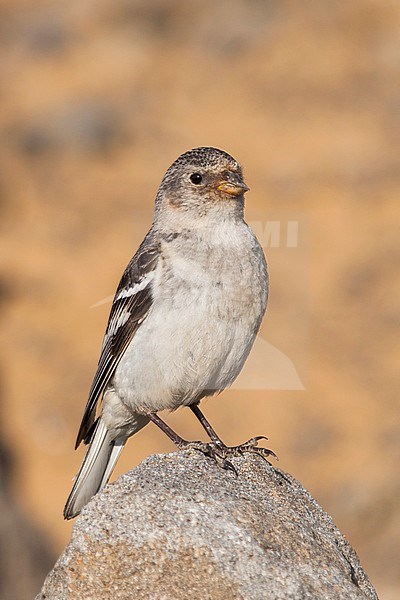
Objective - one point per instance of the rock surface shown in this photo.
(179, 527)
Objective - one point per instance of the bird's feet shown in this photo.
(251, 446)
(221, 453)
(209, 449)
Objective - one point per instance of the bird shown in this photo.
(183, 320)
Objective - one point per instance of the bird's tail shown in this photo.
(96, 469)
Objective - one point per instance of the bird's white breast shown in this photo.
(209, 294)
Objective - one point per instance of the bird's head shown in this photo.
(203, 183)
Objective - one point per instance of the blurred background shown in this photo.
(97, 98)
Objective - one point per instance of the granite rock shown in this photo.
(177, 527)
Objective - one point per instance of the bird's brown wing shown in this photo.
(131, 304)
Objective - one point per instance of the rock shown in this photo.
(178, 527)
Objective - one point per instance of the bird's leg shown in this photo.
(182, 444)
(228, 451)
(174, 437)
(207, 426)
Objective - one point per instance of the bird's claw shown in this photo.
(221, 460)
(211, 450)
(221, 453)
(251, 446)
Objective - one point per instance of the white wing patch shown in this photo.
(138, 287)
(122, 319)
(117, 323)
(122, 315)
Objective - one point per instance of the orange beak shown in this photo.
(236, 188)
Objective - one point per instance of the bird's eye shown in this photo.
(196, 178)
